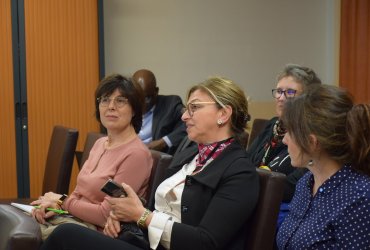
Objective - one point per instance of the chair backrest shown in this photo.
(59, 162)
(262, 225)
(91, 138)
(257, 127)
(244, 138)
(161, 161)
(18, 231)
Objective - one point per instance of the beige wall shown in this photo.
(248, 41)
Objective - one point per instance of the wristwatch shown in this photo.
(61, 199)
(142, 219)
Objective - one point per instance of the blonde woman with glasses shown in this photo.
(120, 156)
(209, 196)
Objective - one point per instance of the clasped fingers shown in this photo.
(112, 227)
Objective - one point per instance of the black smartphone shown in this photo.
(113, 189)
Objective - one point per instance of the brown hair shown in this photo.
(226, 92)
(129, 89)
(358, 123)
(340, 127)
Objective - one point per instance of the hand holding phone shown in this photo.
(113, 189)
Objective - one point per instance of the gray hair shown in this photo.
(303, 75)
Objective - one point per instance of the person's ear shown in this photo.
(225, 113)
(314, 143)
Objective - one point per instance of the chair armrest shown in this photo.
(18, 230)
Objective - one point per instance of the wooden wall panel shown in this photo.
(8, 177)
(354, 71)
(62, 74)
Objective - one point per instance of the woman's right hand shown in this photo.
(127, 209)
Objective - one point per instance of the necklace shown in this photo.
(278, 133)
(109, 144)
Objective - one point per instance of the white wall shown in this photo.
(249, 41)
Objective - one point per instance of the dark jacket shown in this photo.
(217, 202)
(167, 120)
(278, 160)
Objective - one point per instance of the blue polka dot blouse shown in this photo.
(337, 217)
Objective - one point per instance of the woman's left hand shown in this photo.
(112, 227)
(127, 209)
(41, 214)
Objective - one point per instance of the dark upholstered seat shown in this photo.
(18, 231)
(262, 225)
(257, 128)
(160, 163)
(91, 138)
(244, 138)
(59, 162)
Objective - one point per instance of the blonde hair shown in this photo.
(226, 93)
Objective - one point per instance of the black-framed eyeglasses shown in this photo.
(194, 106)
(289, 93)
(118, 101)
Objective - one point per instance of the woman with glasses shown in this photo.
(267, 150)
(329, 135)
(120, 156)
(207, 199)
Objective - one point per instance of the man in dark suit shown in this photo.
(162, 127)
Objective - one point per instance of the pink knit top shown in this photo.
(130, 163)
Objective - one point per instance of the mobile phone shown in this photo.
(113, 189)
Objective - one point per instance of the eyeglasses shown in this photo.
(118, 101)
(289, 93)
(194, 106)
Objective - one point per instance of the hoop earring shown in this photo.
(219, 122)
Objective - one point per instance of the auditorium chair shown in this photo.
(161, 161)
(18, 231)
(58, 165)
(91, 138)
(257, 127)
(262, 225)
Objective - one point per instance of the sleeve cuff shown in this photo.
(160, 224)
(167, 141)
